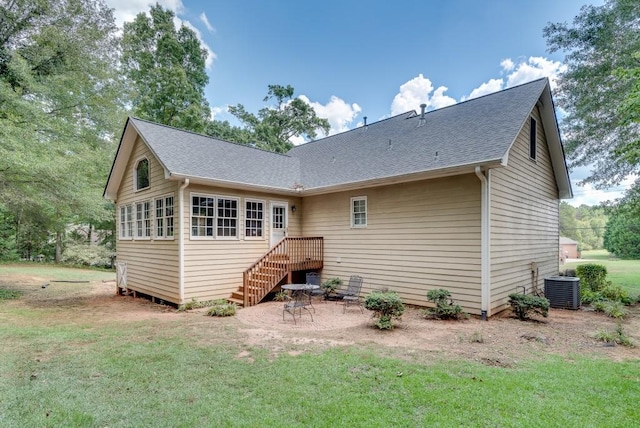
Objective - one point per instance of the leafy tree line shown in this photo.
(585, 224)
(600, 91)
(67, 82)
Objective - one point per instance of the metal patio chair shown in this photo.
(300, 299)
(351, 296)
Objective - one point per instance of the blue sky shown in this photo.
(351, 59)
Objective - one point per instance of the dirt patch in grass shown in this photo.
(502, 341)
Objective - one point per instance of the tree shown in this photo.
(166, 71)
(600, 89)
(622, 234)
(273, 126)
(568, 222)
(60, 109)
(584, 224)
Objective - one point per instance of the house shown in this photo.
(464, 198)
(568, 248)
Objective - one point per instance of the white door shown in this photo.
(278, 221)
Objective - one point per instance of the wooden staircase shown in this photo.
(265, 274)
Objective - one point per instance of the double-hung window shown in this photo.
(202, 216)
(126, 222)
(254, 219)
(227, 218)
(359, 212)
(214, 217)
(143, 220)
(164, 217)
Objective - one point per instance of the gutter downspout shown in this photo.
(485, 242)
(181, 239)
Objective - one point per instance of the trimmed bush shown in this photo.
(445, 308)
(592, 276)
(523, 304)
(386, 305)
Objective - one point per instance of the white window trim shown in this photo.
(135, 221)
(165, 227)
(366, 212)
(239, 223)
(215, 237)
(135, 174)
(191, 235)
(122, 233)
(264, 220)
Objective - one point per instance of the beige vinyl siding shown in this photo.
(524, 219)
(152, 264)
(213, 268)
(419, 236)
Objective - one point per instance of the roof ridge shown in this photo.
(235, 143)
(406, 113)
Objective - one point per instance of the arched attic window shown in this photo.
(141, 172)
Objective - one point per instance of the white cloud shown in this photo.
(126, 10)
(493, 85)
(417, 91)
(534, 68)
(507, 64)
(518, 73)
(339, 113)
(217, 111)
(205, 21)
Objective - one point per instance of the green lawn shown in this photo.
(184, 371)
(625, 273)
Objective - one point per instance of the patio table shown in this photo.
(298, 290)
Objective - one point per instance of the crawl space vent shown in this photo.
(563, 292)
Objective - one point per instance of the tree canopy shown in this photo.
(60, 109)
(600, 91)
(583, 224)
(165, 69)
(274, 126)
(622, 236)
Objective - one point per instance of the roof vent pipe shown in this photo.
(422, 107)
(365, 121)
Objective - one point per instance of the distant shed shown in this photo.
(568, 248)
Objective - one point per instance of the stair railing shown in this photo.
(288, 255)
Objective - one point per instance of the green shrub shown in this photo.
(386, 305)
(523, 304)
(445, 308)
(330, 285)
(592, 276)
(617, 336)
(616, 293)
(281, 296)
(194, 304)
(83, 254)
(612, 293)
(611, 308)
(222, 308)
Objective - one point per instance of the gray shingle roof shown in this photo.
(475, 132)
(471, 132)
(198, 156)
